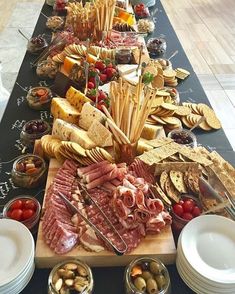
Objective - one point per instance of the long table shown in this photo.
(107, 280)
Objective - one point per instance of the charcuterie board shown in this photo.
(160, 245)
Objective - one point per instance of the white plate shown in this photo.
(208, 243)
(183, 261)
(16, 247)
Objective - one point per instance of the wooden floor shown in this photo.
(206, 29)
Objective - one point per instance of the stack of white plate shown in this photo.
(16, 256)
(206, 255)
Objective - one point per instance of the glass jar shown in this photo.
(156, 47)
(165, 63)
(31, 222)
(55, 22)
(184, 137)
(155, 268)
(123, 56)
(76, 266)
(39, 98)
(37, 44)
(29, 171)
(178, 223)
(47, 69)
(33, 130)
(125, 152)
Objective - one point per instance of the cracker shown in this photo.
(177, 179)
(182, 111)
(171, 191)
(213, 121)
(162, 179)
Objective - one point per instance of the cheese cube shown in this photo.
(88, 114)
(76, 98)
(152, 132)
(61, 108)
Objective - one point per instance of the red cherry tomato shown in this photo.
(181, 202)
(178, 209)
(27, 213)
(187, 216)
(193, 202)
(16, 214)
(30, 204)
(196, 211)
(17, 204)
(188, 206)
(9, 213)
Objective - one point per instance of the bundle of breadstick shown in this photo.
(104, 14)
(130, 107)
(81, 19)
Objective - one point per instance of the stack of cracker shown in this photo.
(170, 78)
(182, 73)
(196, 112)
(61, 150)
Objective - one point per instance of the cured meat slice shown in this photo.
(66, 241)
(98, 173)
(105, 178)
(155, 224)
(109, 187)
(83, 170)
(167, 217)
(128, 197)
(142, 170)
(155, 206)
(120, 208)
(140, 200)
(141, 216)
(128, 184)
(90, 241)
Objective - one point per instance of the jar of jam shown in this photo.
(37, 44)
(29, 171)
(123, 56)
(33, 130)
(184, 137)
(156, 46)
(47, 69)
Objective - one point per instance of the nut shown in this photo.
(58, 284)
(69, 282)
(70, 266)
(82, 271)
(79, 287)
(55, 277)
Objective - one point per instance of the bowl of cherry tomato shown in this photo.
(25, 209)
(184, 211)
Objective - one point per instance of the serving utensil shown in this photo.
(202, 119)
(22, 34)
(88, 199)
(206, 189)
(173, 54)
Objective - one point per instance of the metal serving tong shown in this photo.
(206, 189)
(89, 199)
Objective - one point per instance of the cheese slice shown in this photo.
(68, 132)
(76, 98)
(61, 108)
(100, 134)
(152, 132)
(69, 63)
(142, 147)
(88, 114)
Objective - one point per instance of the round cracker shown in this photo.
(203, 125)
(169, 73)
(213, 121)
(186, 122)
(171, 120)
(182, 111)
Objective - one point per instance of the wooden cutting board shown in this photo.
(160, 245)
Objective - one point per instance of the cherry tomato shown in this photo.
(178, 209)
(193, 202)
(196, 211)
(9, 213)
(30, 204)
(181, 202)
(16, 214)
(17, 204)
(187, 206)
(187, 216)
(27, 213)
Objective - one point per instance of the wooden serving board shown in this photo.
(160, 245)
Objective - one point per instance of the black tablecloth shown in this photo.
(107, 280)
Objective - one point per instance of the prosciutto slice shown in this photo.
(120, 208)
(155, 206)
(83, 170)
(141, 216)
(155, 224)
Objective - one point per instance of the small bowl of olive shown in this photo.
(147, 275)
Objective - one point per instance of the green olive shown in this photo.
(146, 275)
(155, 267)
(161, 281)
(152, 287)
(140, 284)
